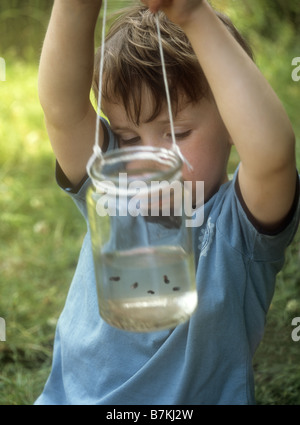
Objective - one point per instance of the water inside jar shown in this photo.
(146, 289)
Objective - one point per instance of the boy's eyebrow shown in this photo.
(162, 121)
(120, 127)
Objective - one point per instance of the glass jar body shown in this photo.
(142, 248)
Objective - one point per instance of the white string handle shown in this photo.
(97, 148)
(163, 65)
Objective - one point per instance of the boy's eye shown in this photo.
(132, 141)
(183, 135)
(180, 136)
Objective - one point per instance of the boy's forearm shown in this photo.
(250, 109)
(66, 65)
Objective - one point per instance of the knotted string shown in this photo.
(97, 149)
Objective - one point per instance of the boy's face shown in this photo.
(200, 135)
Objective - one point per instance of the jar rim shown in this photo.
(99, 166)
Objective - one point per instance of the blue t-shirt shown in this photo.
(207, 360)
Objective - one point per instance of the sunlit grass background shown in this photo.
(41, 231)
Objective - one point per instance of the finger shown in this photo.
(154, 5)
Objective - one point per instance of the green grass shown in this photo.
(41, 233)
(277, 361)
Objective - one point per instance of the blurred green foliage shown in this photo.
(22, 23)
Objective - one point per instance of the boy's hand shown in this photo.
(181, 12)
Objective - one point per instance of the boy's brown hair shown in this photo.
(132, 62)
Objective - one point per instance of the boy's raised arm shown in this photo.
(251, 111)
(65, 78)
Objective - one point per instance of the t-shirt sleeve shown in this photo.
(244, 234)
(285, 222)
(78, 192)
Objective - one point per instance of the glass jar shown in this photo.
(142, 248)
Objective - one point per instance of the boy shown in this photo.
(219, 98)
